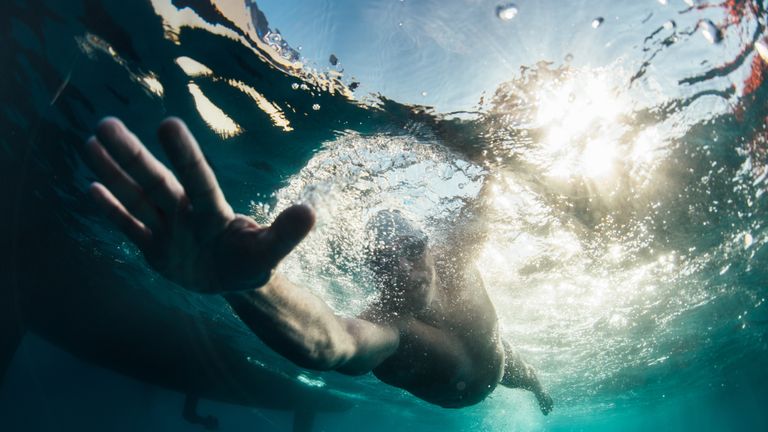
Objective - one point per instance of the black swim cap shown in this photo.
(393, 236)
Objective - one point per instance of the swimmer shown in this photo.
(450, 352)
(434, 331)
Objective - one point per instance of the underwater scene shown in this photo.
(603, 163)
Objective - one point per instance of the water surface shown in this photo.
(625, 142)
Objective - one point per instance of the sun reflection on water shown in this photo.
(213, 116)
(580, 119)
(586, 128)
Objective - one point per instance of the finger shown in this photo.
(123, 188)
(115, 212)
(198, 179)
(156, 181)
(288, 230)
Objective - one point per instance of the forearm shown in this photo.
(373, 342)
(302, 328)
(517, 373)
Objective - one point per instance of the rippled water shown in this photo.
(623, 145)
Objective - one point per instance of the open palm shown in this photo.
(184, 227)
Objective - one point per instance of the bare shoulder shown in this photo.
(460, 280)
(462, 303)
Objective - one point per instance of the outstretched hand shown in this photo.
(184, 227)
(545, 402)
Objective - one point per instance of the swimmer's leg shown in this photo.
(303, 420)
(190, 414)
(519, 374)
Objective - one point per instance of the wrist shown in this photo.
(250, 283)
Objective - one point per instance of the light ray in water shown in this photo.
(580, 116)
(273, 111)
(91, 44)
(214, 116)
(153, 84)
(192, 67)
(245, 31)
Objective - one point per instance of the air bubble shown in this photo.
(710, 31)
(748, 240)
(506, 12)
(273, 38)
(761, 47)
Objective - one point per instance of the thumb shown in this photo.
(289, 229)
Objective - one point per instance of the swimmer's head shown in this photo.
(400, 260)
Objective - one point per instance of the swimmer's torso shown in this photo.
(450, 354)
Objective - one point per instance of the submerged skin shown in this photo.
(434, 333)
(450, 352)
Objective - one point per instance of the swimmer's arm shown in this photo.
(302, 328)
(470, 232)
(519, 374)
(181, 221)
(190, 234)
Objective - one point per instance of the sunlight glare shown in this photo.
(214, 116)
(581, 117)
(598, 158)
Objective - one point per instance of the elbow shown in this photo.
(325, 354)
(319, 360)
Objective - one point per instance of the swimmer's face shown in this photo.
(407, 278)
(419, 280)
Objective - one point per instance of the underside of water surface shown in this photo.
(619, 150)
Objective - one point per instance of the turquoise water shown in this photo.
(626, 142)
